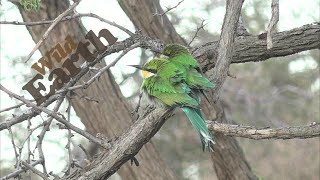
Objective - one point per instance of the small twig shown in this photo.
(14, 107)
(273, 22)
(101, 71)
(197, 31)
(45, 128)
(30, 131)
(14, 147)
(16, 173)
(58, 118)
(85, 152)
(109, 22)
(67, 18)
(29, 146)
(68, 147)
(168, 9)
(54, 23)
(36, 171)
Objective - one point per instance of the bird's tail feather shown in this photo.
(198, 122)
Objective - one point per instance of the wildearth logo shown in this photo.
(68, 68)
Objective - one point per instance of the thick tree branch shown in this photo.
(301, 132)
(226, 45)
(253, 48)
(126, 146)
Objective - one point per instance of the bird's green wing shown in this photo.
(185, 60)
(196, 80)
(170, 94)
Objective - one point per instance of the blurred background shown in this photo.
(274, 93)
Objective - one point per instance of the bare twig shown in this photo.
(30, 131)
(16, 173)
(67, 18)
(273, 22)
(13, 107)
(168, 9)
(54, 23)
(301, 132)
(85, 152)
(108, 22)
(45, 128)
(101, 71)
(14, 147)
(197, 31)
(36, 171)
(28, 147)
(58, 118)
(68, 146)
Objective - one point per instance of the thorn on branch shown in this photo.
(231, 75)
(135, 161)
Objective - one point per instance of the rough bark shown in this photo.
(140, 13)
(126, 147)
(301, 132)
(111, 116)
(253, 48)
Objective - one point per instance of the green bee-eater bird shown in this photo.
(181, 57)
(165, 83)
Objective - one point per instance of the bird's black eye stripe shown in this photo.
(152, 71)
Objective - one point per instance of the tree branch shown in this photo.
(54, 23)
(67, 18)
(168, 9)
(273, 22)
(126, 146)
(226, 45)
(253, 48)
(301, 132)
(58, 118)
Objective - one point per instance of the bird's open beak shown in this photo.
(137, 66)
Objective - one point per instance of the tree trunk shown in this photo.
(111, 116)
(228, 158)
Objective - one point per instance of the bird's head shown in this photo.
(144, 71)
(150, 68)
(171, 50)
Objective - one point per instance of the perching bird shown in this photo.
(180, 56)
(165, 83)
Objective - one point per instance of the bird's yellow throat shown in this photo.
(146, 74)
